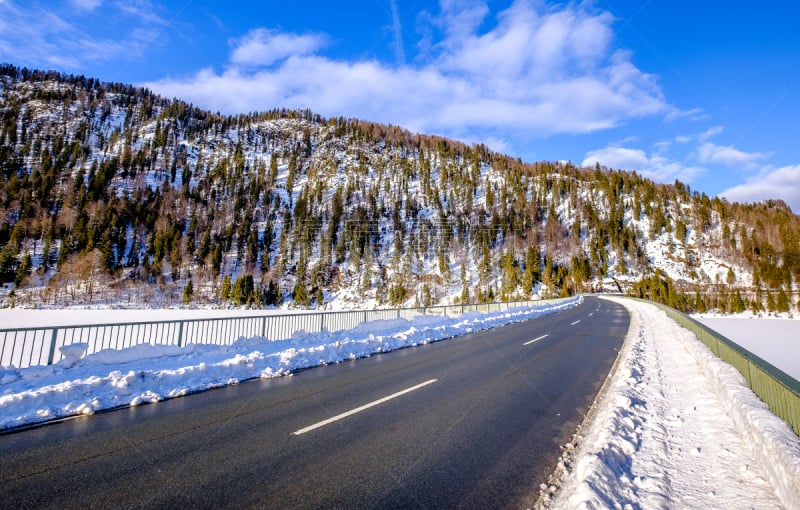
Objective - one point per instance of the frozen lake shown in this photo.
(32, 318)
(775, 340)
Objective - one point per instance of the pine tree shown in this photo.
(188, 292)
(699, 302)
(464, 285)
(680, 231)
(225, 289)
(737, 303)
(23, 270)
(243, 291)
(300, 294)
(510, 278)
(532, 273)
(782, 304)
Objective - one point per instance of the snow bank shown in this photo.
(677, 428)
(774, 443)
(147, 373)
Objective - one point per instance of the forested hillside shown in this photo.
(112, 195)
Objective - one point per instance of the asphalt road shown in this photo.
(471, 422)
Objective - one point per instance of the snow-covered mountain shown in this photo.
(112, 195)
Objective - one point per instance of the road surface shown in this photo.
(471, 422)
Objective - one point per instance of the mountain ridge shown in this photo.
(112, 194)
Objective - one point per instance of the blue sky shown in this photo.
(704, 92)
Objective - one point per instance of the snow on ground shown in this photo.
(147, 373)
(769, 339)
(677, 428)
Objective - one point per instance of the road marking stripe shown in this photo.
(361, 408)
(591, 314)
(577, 321)
(534, 340)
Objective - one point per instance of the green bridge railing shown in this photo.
(779, 390)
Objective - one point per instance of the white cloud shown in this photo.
(652, 166)
(694, 114)
(144, 10)
(662, 147)
(86, 5)
(781, 183)
(263, 47)
(702, 137)
(727, 155)
(711, 132)
(460, 18)
(536, 73)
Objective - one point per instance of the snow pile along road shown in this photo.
(678, 428)
(147, 373)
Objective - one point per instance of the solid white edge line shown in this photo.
(535, 340)
(577, 321)
(361, 408)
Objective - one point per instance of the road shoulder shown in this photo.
(664, 433)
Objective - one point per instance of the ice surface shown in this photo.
(777, 341)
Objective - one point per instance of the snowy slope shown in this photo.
(356, 214)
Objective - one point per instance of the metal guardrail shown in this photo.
(24, 347)
(779, 390)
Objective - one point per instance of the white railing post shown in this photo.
(219, 331)
(52, 353)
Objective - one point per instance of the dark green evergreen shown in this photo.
(110, 191)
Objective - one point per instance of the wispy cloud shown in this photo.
(40, 36)
(86, 5)
(397, 30)
(144, 10)
(693, 114)
(536, 72)
(709, 133)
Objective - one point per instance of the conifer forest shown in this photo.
(111, 195)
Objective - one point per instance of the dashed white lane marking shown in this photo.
(534, 340)
(361, 408)
(577, 321)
